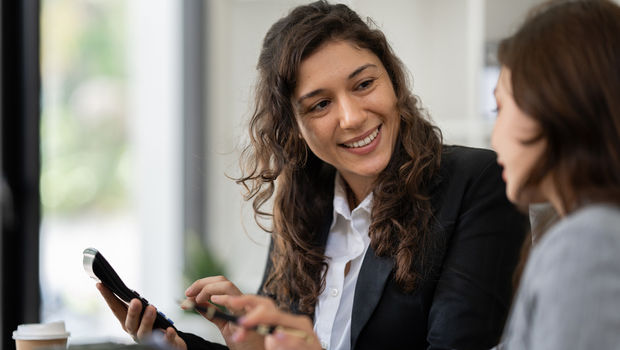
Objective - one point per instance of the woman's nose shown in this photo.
(352, 115)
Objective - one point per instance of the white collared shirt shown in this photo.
(347, 241)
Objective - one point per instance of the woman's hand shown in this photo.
(129, 317)
(297, 332)
(207, 290)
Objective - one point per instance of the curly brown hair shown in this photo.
(401, 213)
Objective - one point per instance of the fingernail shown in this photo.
(215, 298)
(134, 306)
(148, 313)
(241, 320)
(187, 304)
(187, 291)
(280, 335)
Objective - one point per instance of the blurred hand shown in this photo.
(129, 317)
(204, 291)
(297, 331)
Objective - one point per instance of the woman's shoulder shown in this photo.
(586, 242)
(468, 153)
(586, 227)
(461, 157)
(464, 165)
(571, 287)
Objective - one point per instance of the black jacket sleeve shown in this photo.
(195, 342)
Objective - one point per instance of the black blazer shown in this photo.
(464, 299)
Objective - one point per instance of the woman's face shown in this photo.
(345, 107)
(513, 129)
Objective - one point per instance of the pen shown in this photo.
(263, 329)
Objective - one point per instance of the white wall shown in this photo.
(503, 17)
(441, 43)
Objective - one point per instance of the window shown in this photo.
(111, 174)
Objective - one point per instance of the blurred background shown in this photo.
(137, 111)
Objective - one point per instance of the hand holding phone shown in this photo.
(100, 270)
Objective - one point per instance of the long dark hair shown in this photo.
(401, 213)
(565, 69)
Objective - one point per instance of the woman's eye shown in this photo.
(365, 84)
(319, 106)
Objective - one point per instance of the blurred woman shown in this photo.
(557, 136)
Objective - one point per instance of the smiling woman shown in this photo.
(347, 113)
(382, 235)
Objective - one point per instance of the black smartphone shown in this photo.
(100, 270)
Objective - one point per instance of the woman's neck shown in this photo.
(352, 199)
(356, 192)
(550, 191)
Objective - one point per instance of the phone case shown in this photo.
(100, 270)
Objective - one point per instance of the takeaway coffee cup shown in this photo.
(41, 336)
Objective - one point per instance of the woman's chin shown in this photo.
(526, 197)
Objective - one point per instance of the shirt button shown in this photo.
(324, 345)
(334, 292)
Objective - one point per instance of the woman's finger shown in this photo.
(132, 321)
(292, 331)
(216, 288)
(218, 322)
(248, 303)
(262, 310)
(119, 309)
(197, 286)
(173, 338)
(145, 327)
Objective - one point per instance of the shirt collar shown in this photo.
(341, 203)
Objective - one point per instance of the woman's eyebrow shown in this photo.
(359, 70)
(308, 95)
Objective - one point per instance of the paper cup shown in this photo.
(41, 336)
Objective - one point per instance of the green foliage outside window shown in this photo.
(85, 158)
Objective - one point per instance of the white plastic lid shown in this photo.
(39, 331)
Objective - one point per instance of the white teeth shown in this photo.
(364, 142)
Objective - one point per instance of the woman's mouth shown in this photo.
(363, 142)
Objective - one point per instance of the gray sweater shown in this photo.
(569, 297)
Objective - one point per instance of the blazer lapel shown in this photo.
(368, 291)
(374, 274)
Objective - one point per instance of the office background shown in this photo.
(143, 107)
